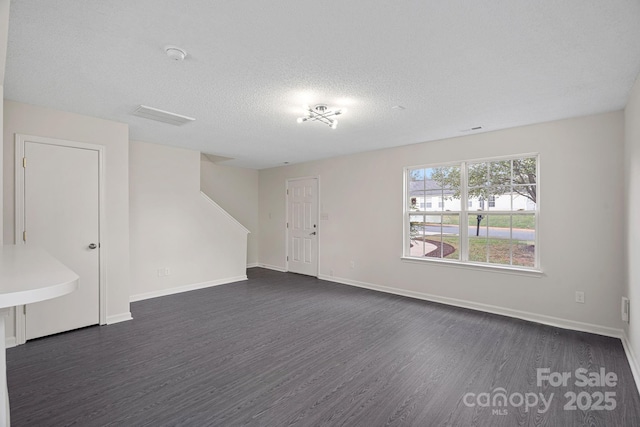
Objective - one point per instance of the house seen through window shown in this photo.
(501, 230)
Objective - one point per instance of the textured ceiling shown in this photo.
(251, 66)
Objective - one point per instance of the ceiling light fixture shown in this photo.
(175, 53)
(322, 114)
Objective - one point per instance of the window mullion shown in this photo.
(463, 227)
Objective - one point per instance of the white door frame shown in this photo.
(20, 141)
(286, 232)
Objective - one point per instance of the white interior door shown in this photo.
(61, 214)
(302, 226)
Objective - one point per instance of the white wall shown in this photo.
(4, 28)
(236, 190)
(32, 120)
(362, 195)
(174, 227)
(632, 218)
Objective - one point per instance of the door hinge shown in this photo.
(287, 225)
(287, 192)
(24, 236)
(24, 162)
(287, 257)
(24, 309)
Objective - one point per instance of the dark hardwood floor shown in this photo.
(283, 349)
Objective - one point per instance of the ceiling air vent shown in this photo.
(161, 115)
(473, 129)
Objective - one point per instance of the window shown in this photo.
(500, 232)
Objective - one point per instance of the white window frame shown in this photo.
(464, 213)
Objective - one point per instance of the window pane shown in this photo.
(440, 238)
(498, 199)
(480, 196)
(433, 236)
(478, 175)
(474, 203)
(425, 241)
(524, 240)
(417, 175)
(435, 178)
(499, 239)
(500, 176)
(416, 200)
(451, 236)
(416, 235)
(434, 200)
(477, 238)
(451, 203)
(524, 198)
(445, 177)
(415, 178)
(524, 171)
(445, 181)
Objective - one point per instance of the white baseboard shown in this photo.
(272, 267)
(117, 318)
(633, 360)
(524, 315)
(253, 265)
(180, 289)
(10, 342)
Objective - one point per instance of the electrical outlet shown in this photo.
(580, 297)
(625, 309)
(162, 272)
(353, 264)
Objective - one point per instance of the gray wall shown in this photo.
(581, 229)
(632, 222)
(173, 226)
(236, 190)
(32, 120)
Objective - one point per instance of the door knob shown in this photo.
(92, 246)
(312, 234)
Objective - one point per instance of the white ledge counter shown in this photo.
(28, 274)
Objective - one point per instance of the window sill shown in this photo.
(475, 266)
